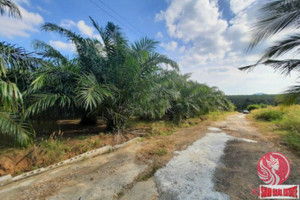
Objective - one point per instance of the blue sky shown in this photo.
(206, 37)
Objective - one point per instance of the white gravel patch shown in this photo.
(214, 129)
(189, 175)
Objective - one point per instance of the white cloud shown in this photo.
(171, 46)
(81, 25)
(43, 10)
(29, 23)
(85, 29)
(26, 2)
(67, 23)
(159, 35)
(239, 5)
(212, 48)
(60, 45)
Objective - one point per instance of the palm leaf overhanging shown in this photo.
(279, 15)
(7, 6)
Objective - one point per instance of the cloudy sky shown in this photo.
(208, 38)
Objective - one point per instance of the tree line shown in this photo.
(110, 78)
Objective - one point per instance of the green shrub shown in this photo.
(256, 106)
(293, 140)
(269, 114)
(291, 120)
(253, 107)
(161, 152)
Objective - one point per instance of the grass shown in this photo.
(166, 128)
(285, 121)
(269, 113)
(149, 174)
(161, 152)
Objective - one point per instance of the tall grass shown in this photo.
(269, 114)
(286, 118)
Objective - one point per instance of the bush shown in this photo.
(256, 106)
(291, 120)
(269, 114)
(253, 107)
(293, 140)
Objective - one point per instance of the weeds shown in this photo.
(286, 119)
(161, 152)
(150, 174)
(269, 114)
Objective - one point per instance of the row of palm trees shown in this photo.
(111, 78)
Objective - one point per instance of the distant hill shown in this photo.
(260, 94)
(242, 101)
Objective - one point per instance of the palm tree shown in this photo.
(7, 6)
(64, 86)
(128, 70)
(116, 80)
(278, 15)
(15, 64)
(195, 99)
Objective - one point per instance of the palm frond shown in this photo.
(156, 59)
(14, 127)
(281, 47)
(48, 52)
(10, 7)
(277, 15)
(15, 58)
(43, 102)
(144, 44)
(10, 96)
(284, 66)
(90, 93)
(290, 96)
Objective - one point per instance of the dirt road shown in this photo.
(211, 161)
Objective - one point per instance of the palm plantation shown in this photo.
(109, 78)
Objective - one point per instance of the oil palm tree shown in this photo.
(15, 65)
(114, 62)
(7, 6)
(63, 86)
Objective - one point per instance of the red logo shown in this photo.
(273, 168)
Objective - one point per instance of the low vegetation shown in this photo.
(256, 106)
(285, 119)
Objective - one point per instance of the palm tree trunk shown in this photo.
(88, 120)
